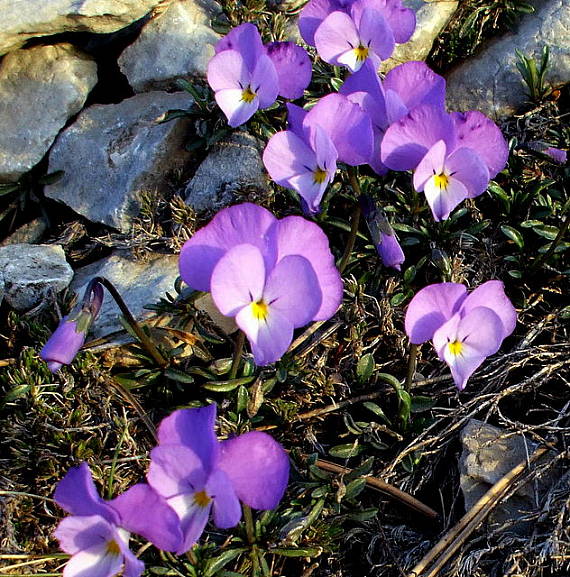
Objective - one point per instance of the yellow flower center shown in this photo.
(441, 181)
(201, 499)
(113, 548)
(361, 53)
(319, 175)
(259, 310)
(455, 348)
(248, 95)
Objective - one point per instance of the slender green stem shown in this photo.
(191, 556)
(238, 349)
(142, 336)
(249, 526)
(354, 221)
(411, 366)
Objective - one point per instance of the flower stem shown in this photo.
(249, 526)
(411, 366)
(142, 336)
(354, 220)
(238, 348)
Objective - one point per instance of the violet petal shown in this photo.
(430, 308)
(293, 67)
(262, 483)
(193, 428)
(244, 223)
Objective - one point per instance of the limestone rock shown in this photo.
(174, 44)
(431, 18)
(40, 89)
(32, 273)
(488, 454)
(490, 81)
(25, 19)
(234, 163)
(1, 287)
(113, 153)
(139, 283)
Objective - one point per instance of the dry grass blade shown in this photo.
(385, 488)
(439, 555)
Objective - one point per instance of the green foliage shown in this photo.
(534, 75)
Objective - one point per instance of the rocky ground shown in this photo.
(112, 153)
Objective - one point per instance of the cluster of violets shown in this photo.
(398, 123)
(192, 476)
(274, 276)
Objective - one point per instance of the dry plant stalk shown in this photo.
(440, 554)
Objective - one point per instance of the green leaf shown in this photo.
(364, 515)
(227, 386)
(397, 299)
(179, 376)
(365, 367)
(216, 563)
(377, 411)
(242, 399)
(354, 488)
(513, 234)
(390, 379)
(16, 392)
(304, 552)
(346, 451)
(420, 404)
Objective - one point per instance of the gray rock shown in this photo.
(113, 153)
(32, 273)
(25, 19)
(232, 165)
(431, 18)
(1, 287)
(175, 44)
(30, 233)
(40, 89)
(139, 283)
(488, 454)
(490, 81)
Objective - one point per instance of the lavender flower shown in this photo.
(556, 154)
(383, 235)
(97, 533)
(465, 329)
(271, 275)
(70, 335)
(246, 75)
(199, 475)
(405, 87)
(351, 32)
(453, 155)
(303, 158)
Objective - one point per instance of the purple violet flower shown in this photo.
(453, 155)
(465, 329)
(246, 75)
(303, 157)
(199, 475)
(350, 32)
(405, 87)
(97, 532)
(556, 154)
(271, 275)
(68, 338)
(383, 235)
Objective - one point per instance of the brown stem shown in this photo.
(383, 487)
(411, 366)
(354, 221)
(238, 348)
(141, 335)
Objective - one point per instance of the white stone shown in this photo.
(232, 165)
(139, 283)
(25, 19)
(113, 153)
(177, 43)
(490, 81)
(40, 89)
(431, 18)
(32, 273)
